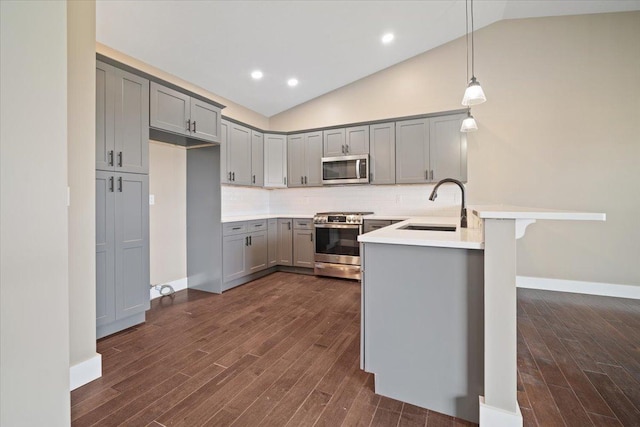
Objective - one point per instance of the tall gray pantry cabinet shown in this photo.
(122, 199)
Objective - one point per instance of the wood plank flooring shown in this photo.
(284, 350)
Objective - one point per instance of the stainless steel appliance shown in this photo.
(345, 169)
(337, 251)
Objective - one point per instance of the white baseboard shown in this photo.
(490, 416)
(579, 287)
(85, 372)
(177, 285)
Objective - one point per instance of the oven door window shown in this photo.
(338, 241)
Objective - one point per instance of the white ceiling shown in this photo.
(324, 44)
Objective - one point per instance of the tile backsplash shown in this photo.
(380, 199)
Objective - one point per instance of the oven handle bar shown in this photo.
(336, 225)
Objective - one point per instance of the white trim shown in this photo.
(490, 416)
(177, 285)
(579, 287)
(85, 372)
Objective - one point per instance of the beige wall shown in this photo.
(168, 216)
(34, 279)
(559, 130)
(81, 60)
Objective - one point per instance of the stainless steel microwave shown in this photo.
(346, 169)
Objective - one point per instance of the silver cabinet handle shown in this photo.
(111, 184)
(110, 161)
(120, 184)
(236, 228)
(120, 158)
(189, 125)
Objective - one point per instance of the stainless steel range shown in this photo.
(337, 252)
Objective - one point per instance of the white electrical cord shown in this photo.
(164, 290)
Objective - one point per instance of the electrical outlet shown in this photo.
(152, 199)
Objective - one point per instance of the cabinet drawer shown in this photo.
(231, 228)
(258, 225)
(302, 224)
(375, 224)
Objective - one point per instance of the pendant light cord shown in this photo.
(473, 53)
(466, 29)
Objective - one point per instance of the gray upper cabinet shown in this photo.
(382, 161)
(305, 155)
(272, 242)
(448, 148)
(285, 242)
(257, 159)
(122, 120)
(275, 160)
(346, 141)
(176, 112)
(238, 154)
(412, 151)
(122, 250)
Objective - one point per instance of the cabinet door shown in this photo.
(224, 155)
(313, 159)
(382, 161)
(275, 160)
(132, 244)
(105, 248)
(448, 148)
(170, 109)
(105, 75)
(205, 120)
(257, 159)
(131, 123)
(357, 140)
(412, 151)
(257, 256)
(296, 160)
(272, 242)
(303, 248)
(233, 256)
(285, 242)
(334, 143)
(239, 152)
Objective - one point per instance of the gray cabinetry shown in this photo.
(272, 242)
(257, 159)
(346, 141)
(430, 149)
(237, 147)
(122, 250)
(244, 250)
(234, 256)
(176, 112)
(285, 242)
(122, 120)
(257, 247)
(305, 154)
(382, 161)
(275, 160)
(303, 246)
(224, 140)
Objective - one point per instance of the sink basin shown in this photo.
(428, 227)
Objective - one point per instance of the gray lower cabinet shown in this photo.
(234, 257)
(257, 159)
(303, 245)
(305, 154)
(275, 160)
(382, 159)
(122, 250)
(244, 250)
(176, 112)
(285, 242)
(257, 252)
(122, 120)
(430, 149)
(272, 242)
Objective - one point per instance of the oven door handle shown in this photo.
(335, 225)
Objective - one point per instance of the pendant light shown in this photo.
(469, 123)
(474, 94)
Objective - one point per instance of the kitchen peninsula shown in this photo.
(439, 311)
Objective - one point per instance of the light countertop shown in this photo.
(465, 238)
(263, 216)
(519, 212)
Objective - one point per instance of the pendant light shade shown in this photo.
(469, 123)
(474, 94)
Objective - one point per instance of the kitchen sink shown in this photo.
(428, 227)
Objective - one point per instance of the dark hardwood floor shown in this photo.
(284, 350)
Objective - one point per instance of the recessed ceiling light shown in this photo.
(387, 38)
(292, 82)
(256, 75)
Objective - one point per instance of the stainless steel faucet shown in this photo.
(463, 208)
